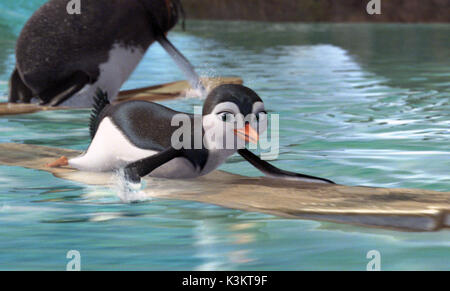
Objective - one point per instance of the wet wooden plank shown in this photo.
(153, 93)
(402, 209)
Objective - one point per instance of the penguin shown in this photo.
(139, 137)
(62, 58)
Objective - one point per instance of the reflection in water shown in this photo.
(225, 248)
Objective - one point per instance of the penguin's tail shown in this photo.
(100, 102)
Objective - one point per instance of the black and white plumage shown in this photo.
(138, 136)
(62, 58)
(100, 102)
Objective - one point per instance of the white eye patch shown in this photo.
(227, 107)
(226, 116)
(229, 112)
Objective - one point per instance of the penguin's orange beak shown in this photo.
(247, 133)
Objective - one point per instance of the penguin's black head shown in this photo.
(243, 97)
(164, 14)
(236, 110)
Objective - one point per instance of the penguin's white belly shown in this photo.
(113, 73)
(110, 150)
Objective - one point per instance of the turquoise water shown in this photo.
(361, 104)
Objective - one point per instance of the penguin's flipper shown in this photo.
(64, 89)
(183, 63)
(272, 171)
(18, 91)
(136, 170)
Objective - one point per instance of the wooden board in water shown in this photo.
(403, 209)
(152, 93)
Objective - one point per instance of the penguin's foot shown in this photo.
(61, 162)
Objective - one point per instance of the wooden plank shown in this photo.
(152, 93)
(402, 209)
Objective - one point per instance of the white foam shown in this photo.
(126, 191)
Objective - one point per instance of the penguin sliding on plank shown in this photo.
(138, 136)
(62, 58)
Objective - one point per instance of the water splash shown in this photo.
(127, 191)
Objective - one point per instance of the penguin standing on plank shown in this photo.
(138, 136)
(62, 58)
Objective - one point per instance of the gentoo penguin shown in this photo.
(138, 136)
(62, 58)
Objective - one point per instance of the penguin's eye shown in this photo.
(261, 115)
(226, 116)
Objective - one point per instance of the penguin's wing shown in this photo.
(136, 170)
(182, 62)
(272, 171)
